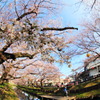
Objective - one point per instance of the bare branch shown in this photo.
(91, 59)
(16, 8)
(33, 73)
(57, 29)
(3, 66)
(4, 56)
(6, 46)
(11, 77)
(93, 4)
(25, 14)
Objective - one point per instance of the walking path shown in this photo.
(58, 97)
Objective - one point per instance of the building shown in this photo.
(93, 67)
(68, 80)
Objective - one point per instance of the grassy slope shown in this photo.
(84, 85)
(38, 91)
(31, 90)
(7, 92)
(88, 94)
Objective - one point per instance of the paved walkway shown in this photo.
(58, 97)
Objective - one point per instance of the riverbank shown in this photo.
(45, 95)
(84, 91)
(23, 96)
(7, 92)
(87, 90)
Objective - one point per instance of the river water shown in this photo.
(24, 96)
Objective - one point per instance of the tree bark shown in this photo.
(41, 83)
(4, 78)
(4, 56)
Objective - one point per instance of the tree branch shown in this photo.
(57, 29)
(6, 46)
(19, 54)
(33, 73)
(4, 56)
(16, 8)
(12, 77)
(92, 59)
(93, 4)
(1, 30)
(3, 66)
(25, 14)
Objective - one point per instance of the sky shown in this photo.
(72, 14)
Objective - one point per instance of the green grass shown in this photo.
(87, 94)
(7, 93)
(38, 91)
(86, 84)
(33, 90)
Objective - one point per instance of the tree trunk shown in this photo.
(4, 77)
(41, 83)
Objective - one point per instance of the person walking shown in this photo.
(66, 91)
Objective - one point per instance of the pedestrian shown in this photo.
(66, 91)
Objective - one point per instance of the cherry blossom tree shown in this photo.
(27, 30)
(28, 80)
(92, 4)
(2, 3)
(88, 39)
(10, 71)
(21, 26)
(39, 73)
(46, 72)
